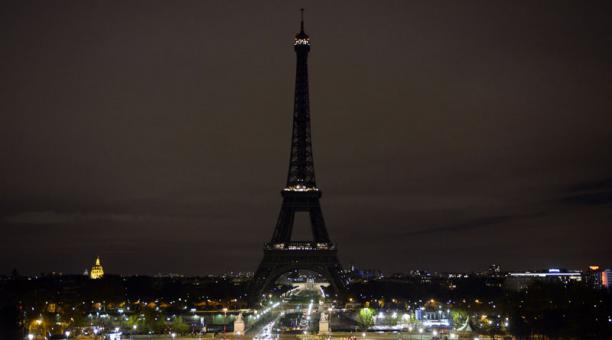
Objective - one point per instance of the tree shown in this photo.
(459, 316)
(179, 325)
(366, 318)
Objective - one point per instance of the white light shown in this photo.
(434, 333)
(363, 334)
(301, 42)
(134, 327)
(173, 335)
(30, 336)
(420, 330)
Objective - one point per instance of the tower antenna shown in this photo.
(302, 19)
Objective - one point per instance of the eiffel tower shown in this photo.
(282, 254)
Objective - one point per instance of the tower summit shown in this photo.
(300, 195)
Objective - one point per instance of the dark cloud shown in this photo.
(464, 225)
(591, 193)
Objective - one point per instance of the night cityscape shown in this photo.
(463, 147)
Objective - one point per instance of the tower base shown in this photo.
(281, 258)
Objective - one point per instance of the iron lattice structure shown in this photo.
(301, 194)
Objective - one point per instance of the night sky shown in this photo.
(447, 135)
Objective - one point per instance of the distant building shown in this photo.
(495, 270)
(356, 274)
(606, 277)
(96, 272)
(522, 280)
(593, 276)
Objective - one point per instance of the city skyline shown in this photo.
(447, 137)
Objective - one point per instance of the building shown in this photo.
(606, 276)
(593, 276)
(96, 272)
(522, 280)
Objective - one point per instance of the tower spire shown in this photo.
(302, 20)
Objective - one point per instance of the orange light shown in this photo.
(594, 268)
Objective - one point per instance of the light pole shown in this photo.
(330, 314)
(224, 321)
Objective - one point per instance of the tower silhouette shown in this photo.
(301, 194)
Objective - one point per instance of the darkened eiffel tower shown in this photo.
(281, 254)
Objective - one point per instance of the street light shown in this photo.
(329, 325)
(30, 336)
(224, 321)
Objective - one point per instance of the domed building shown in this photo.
(96, 272)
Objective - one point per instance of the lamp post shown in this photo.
(330, 309)
(224, 321)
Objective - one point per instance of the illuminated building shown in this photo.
(522, 280)
(593, 276)
(96, 272)
(606, 276)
